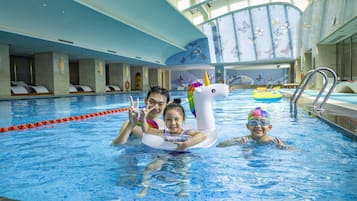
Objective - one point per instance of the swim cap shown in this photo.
(258, 113)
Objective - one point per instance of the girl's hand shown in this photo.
(133, 112)
(181, 146)
(143, 115)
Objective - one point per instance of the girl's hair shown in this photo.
(176, 104)
(159, 90)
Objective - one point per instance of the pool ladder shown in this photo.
(300, 89)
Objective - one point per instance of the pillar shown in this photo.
(116, 75)
(325, 57)
(52, 71)
(5, 86)
(92, 74)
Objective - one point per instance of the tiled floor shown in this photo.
(340, 110)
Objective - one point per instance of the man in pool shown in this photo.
(156, 98)
(259, 126)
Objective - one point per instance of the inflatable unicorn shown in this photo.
(200, 98)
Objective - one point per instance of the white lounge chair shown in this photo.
(72, 89)
(113, 88)
(84, 88)
(40, 89)
(19, 90)
(19, 86)
(346, 87)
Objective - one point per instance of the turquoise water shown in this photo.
(76, 161)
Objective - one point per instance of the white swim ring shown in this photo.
(158, 142)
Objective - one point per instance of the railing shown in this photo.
(300, 89)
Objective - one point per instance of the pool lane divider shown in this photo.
(61, 120)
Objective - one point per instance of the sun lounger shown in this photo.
(19, 87)
(19, 90)
(84, 88)
(346, 87)
(72, 89)
(39, 89)
(112, 88)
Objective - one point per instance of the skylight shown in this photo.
(199, 11)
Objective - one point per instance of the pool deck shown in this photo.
(340, 110)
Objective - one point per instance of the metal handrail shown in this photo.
(300, 89)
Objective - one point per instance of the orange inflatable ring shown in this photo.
(127, 85)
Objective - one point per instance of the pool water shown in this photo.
(76, 160)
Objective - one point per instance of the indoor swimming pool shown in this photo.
(75, 160)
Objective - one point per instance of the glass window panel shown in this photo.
(354, 57)
(294, 16)
(244, 36)
(219, 11)
(197, 19)
(347, 59)
(207, 30)
(262, 36)
(257, 2)
(239, 5)
(306, 28)
(183, 4)
(286, 1)
(228, 43)
(280, 33)
(340, 69)
(301, 4)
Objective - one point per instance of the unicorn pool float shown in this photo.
(200, 98)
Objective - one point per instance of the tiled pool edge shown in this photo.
(345, 123)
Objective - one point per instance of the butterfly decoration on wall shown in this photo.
(286, 50)
(259, 78)
(245, 27)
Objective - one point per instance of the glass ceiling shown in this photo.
(200, 11)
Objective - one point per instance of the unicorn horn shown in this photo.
(206, 79)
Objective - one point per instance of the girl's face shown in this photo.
(174, 120)
(158, 101)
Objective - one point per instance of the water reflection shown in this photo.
(148, 170)
(167, 173)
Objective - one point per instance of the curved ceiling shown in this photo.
(127, 31)
(201, 11)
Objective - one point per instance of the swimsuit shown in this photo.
(182, 137)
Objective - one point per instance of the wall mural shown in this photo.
(265, 32)
(197, 52)
(181, 80)
(257, 77)
(260, 33)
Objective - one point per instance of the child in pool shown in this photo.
(156, 99)
(259, 126)
(174, 117)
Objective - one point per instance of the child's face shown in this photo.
(173, 120)
(258, 127)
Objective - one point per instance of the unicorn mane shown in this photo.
(190, 96)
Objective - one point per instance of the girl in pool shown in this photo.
(174, 117)
(156, 100)
(259, 126)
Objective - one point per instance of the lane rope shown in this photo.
(61, 120)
